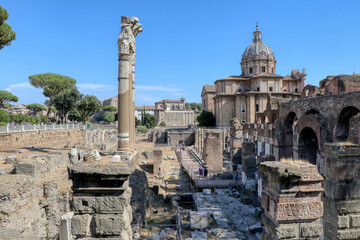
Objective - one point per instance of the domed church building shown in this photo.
(246, 95)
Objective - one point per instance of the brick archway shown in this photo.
(341, 131)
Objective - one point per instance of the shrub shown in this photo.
(142, 129)
(109, 117)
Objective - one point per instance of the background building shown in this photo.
(173, 113)
(207, 98)
(139, 110)
(246, 95)
(110, 101)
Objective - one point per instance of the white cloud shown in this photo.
(157, 88)
(8, 89)
(19, 85)
(92, 86)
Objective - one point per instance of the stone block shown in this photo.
(65, 226)
(308, 230)
(353, 190)
(10, 159)
(335, 190)
(198, 220)
(355, 221)
(291, 211)
(100, 204)
(348, 234)
(111, 225)
(31, 169)
(286, 231)
(249, 164)
(80, 225)
(199, 235)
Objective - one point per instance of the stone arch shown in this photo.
(289, 134)
(308, 145)
(312, 111)
(342, 125)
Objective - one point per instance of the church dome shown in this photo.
(257, 58)
(257, 48)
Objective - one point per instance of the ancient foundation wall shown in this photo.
(35, 195)
(102, 139)
(342, 191)
(52, 138)
(291, 201)
(212, 153)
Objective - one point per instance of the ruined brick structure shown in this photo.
(333, 85)
(305, 125)
(185, 137)
(101, 201)
(341, 169)
(291, 201)
(200, 134)
(212, 154)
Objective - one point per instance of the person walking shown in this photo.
(201, 171)
(205, 172)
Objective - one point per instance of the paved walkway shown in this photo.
(232, 217)
(191, 166)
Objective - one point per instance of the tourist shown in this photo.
(73, 155)
(236, 177)
(201, 171)
(205, 172)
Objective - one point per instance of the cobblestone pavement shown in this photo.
(233, 218)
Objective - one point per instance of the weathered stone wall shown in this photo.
(342, 191)
(53, 138)
(212, 154)
(102, 139)
(200, 134)
(37, 194)
(140, 200)
(180, 137)
(248, 165)
(101, 201)
(291, 201)
(354, 129)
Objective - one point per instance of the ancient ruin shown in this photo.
(282, 162)
(126, 98)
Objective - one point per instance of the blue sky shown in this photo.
(184, 45)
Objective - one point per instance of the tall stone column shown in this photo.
(126, 102)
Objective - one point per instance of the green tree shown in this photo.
(6, 33)
(74, 115)
(88, 106)
(109, 117)
(52, 85)
(66, 101)
(44, 119)
(110, 108)
(163, 124)
(6, 97)
(36, 107)
(150, 121)
(4, 117)
(206, 118)
(193, 106)
(137, 122)
(142, 129)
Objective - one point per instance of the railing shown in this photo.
(38, 127)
